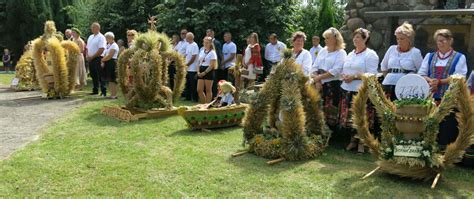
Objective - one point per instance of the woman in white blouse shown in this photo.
(359, 61)
(301, 55)
(400, 59)
(436, 68)
(205, 75)
(326, 71)
(109, 64)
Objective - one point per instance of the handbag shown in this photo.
(258, 70)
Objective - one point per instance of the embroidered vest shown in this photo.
(439, 72)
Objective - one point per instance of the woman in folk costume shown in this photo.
(436, 68)
(400, 59)
(326, 71)
(81, 71)
(252, 62)
(361, 60)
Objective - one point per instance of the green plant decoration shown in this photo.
(302, 133)
(148, 60)
(55, 62)
(429, 162)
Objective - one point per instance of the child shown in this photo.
(224, 96)
(6, 59)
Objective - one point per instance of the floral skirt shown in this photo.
(331, 94)
(345, 112)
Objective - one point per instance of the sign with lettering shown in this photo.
(412, 86)
(15, 81)
(407, 151)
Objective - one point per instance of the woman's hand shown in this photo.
(348, 78)
(318, 85)
(201, 74)
(317, 79)
(433, 84)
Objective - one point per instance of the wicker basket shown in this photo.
(213, 118)
(409, 120)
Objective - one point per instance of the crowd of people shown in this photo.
(336, 73)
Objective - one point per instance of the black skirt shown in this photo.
(208, 76)
(108, 72)
(390, 92)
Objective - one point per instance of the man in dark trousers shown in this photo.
(95, 47)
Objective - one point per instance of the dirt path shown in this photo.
(21, 117)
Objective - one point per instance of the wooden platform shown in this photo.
(128, 115)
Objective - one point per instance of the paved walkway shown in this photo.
(22, 115)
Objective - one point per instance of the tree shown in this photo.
(240, 17)
(120, 15)
(308, 21)
(326, 16)
(24, 20)
(80, 13)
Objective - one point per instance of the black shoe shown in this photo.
(93, 93)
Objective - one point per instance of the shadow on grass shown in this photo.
(197, 132)
(253, 163)
(396, 186)
(99, 119)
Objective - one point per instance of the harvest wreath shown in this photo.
(408, 145)
(148, 95)
(296, 128)
(55, 62)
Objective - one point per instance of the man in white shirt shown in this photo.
(95, 47)
(181, 46)
(191, 55)
(316, 48)
(229, 51)
(273, 53)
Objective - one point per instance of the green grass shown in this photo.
(88, 154)
(5, 79)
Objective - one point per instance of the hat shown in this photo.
(226, 86)
(77, 31)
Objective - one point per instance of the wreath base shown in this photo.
(132, 114)
(214, 117)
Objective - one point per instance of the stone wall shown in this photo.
(382, 28)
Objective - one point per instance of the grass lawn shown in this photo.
(88, 154)
(6, 79)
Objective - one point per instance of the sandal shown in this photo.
(352, 145)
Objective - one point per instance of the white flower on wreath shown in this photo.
(388, 150)
(426, 153)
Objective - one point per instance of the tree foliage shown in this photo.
(23, 20)
(326, 16)
(240, 17)
(120, 15)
